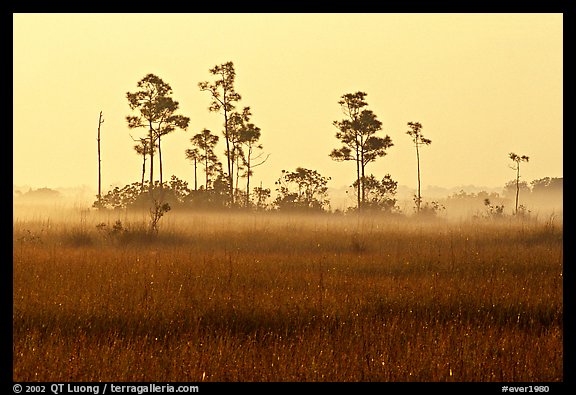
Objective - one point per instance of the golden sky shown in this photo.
(482, 85)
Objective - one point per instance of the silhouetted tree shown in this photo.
(511, 188)
(249, 158)
(132, 196)
(156, 113)
(302, 189)
(236, 124)
(516, 167)
(356, 132)
(380, 195)
(143, 148)
(125, 197)
(260, 196)
(205, 142)
(194, 155)
(418, 139)
(248, 137)
(100, 122)
(223, 98)
(179, 189)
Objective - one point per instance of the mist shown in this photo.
(456, 203)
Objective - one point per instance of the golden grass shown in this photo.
(275, 298)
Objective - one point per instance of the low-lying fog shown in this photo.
(454, 204)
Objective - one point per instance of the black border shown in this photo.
(415, 6)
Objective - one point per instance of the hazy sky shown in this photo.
(482, 85)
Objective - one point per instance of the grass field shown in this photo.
(277, 298)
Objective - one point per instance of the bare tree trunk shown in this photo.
(160, 160)
(248, 190)
(419, 198)
(237, 172)
(195, 175)
(517, 186)
(151, 137)
(363, 166)
(206, 167)
(248, 177)
(228, 155)
(358, 178)
(100, 122)
(143, 171)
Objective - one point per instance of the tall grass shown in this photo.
(274, 298)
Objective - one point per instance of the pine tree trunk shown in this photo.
(228, 155)
(160, 161)
(237, 172)
(419, 201)
(151, 137)
(206, 168)
(248, 178)
(195, 175)
(363, 165)
(517, 186)
(100, 122)
(358, 178)
(143, 172)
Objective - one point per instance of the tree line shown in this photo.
(217, 184)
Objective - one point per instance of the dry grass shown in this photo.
(268, 298)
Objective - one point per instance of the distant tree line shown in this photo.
(306, 190)
(547, 191)
(38, 195)
(227, 184)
